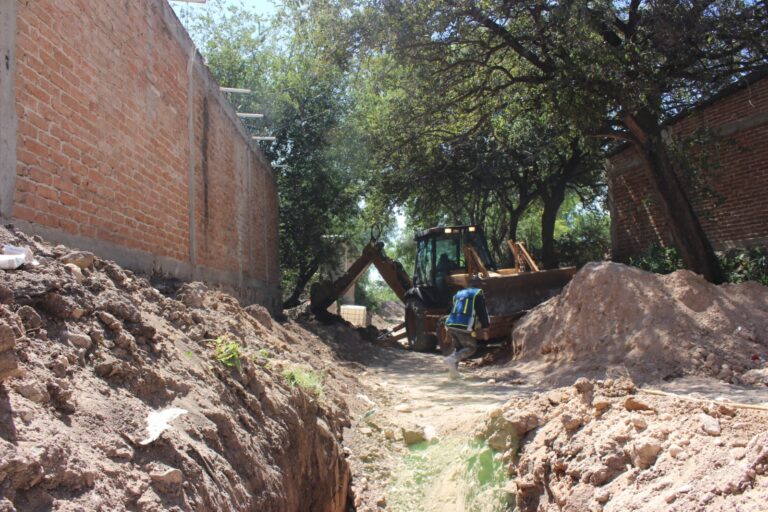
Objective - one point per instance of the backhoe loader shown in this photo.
(449, 258)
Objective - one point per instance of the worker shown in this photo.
(468, 309)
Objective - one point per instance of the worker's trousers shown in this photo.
(463, 342)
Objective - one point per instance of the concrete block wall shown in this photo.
(124, 145)
(731, 205)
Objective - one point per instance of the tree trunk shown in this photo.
(298, 288)
(552, 205)
(689, 237)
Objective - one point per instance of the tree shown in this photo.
(616, 69)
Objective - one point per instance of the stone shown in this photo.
(119, 306)
(381, 502)
(644, 453)
(634, 404)
(7, 337)
(709, 424)
(602, 495)
(639, 422)
(79, 340)
(9, 366)
(555, 397)
(75, 272)
(403, 408)
(519, 424)
(413, 435)
(81, 259)
(30, 318)
(56, 305)
(33, 391)
(585, 388)
(112, 323)
(601, 404)
(675, 450)
(261, 315)
(78, 313)
(738, 453)
(167, 476)
(389, 434)
(758, 377)
(125, 341)
(500, 440)
(192, 295)
(366, 431)
(59, 366)
(6, 294)
(570, 422)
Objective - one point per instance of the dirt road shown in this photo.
(448, 472)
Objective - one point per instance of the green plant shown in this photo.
(661, 260)
(263, 353)
(227, 352)
(739, 265)
(304, 378)
(746, 265)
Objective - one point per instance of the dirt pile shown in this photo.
(89, 350)
(601, 445)
(389, 315)
(655, 326)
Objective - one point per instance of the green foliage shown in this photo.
(304, 378)
(373, 293)
(304, 103)
(739, 264)
(661, 260)
(746, 265)
(585, 235)
(227, 352)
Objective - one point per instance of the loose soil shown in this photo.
(580, 413)
(89, 351)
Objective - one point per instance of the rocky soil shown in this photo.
(89, 350)
(605, 445)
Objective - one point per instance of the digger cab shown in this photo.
(440, 253)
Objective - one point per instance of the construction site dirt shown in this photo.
(118, 395)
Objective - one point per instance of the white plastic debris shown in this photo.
(158, 422)
(365, 399)
(13, 257)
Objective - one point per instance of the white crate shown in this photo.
(356, 315)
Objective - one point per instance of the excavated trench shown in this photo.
(405, 392)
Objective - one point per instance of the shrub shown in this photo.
(661, 260)
(227, 352)
(304, 378)
(746, 265)
(739, 265)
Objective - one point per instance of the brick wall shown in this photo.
(731, 203)
(126, 146)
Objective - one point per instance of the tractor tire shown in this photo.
(418, 339)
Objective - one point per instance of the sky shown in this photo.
(259, 6)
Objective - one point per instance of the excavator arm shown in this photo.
(324, 294)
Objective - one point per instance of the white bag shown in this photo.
(13, 257)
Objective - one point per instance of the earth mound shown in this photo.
(651, 326)
(607, 446)
(246, 412)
